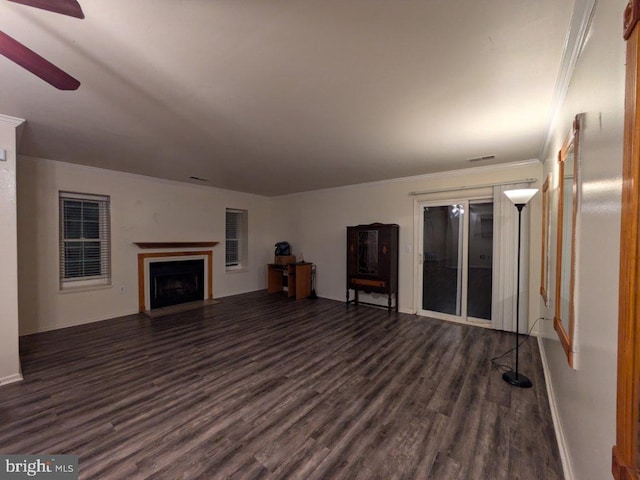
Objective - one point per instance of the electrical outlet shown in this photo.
(123, 289)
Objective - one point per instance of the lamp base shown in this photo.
(517, 379)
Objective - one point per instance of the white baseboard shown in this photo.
(58, 326)
(557, 426)
(11, 379)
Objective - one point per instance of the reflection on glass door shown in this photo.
(480, 271)
(442, 259)
(457, 259)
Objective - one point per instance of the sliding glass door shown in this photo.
(480, 260)
(442, 258)
(456, 258)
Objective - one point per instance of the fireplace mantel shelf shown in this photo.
(175, 244)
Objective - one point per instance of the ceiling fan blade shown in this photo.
(65, 7)
(47, 71)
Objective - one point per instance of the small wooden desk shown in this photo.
(295, 276)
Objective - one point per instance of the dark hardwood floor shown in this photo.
(259, 386)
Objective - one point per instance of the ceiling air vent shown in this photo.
(481, 159)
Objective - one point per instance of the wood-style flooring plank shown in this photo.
(262, 387)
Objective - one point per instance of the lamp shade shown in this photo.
(520, 196)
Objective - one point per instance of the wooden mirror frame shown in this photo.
(566, 337)
(625, 461)
(546, 230)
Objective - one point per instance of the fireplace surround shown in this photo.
(180, 280)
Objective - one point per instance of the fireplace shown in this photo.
(171, 283)
(174, 276)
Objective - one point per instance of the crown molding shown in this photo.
(139, 176)
(426, 176)
(579, 25)
(12, 121)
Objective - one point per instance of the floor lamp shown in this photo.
(519, 198)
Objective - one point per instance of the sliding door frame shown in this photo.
(418, 207)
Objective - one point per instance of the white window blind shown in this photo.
(236, 228)
(85, 250)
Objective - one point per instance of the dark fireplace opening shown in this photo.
(171, 283)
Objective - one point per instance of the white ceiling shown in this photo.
(279, 96)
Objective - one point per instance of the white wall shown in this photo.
(148, 209)
(9, 355)
(585, 397)
(142, 209)
(315, 223)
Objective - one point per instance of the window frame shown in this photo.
(103, 278)
(241, 229)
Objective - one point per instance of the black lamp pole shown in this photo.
(514, 377)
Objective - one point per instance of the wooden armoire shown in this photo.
(372, 262)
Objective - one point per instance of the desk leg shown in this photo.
(274, 284)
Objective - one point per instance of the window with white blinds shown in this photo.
(85, 237)
(236, 227)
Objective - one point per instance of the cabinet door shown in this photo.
(352, 251)
(368, 252)
(385, 253)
